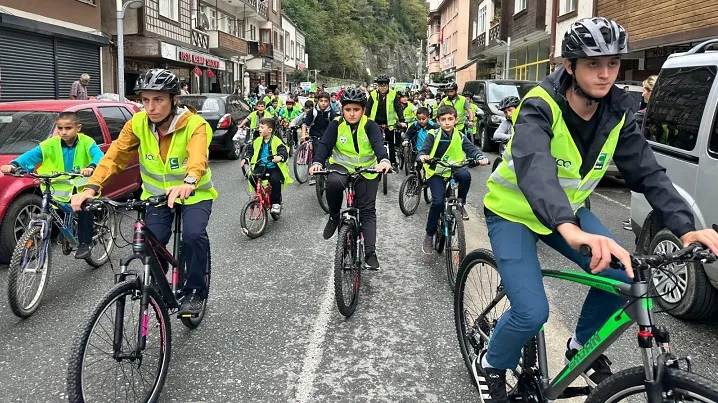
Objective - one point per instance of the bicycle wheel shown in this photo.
(27, 278)
(192, 323)
(402, 159)
(440, 237)
(427, 194)
(384, 184)
(497, 161)
(254, 219)
(455, 247)
(93, 372)
(408, 160)
(409, 195)
(103, 237)
(321, 190)
(301, 163)
(678, 386)
(347, 272)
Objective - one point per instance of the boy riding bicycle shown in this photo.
(450, 145)
(507, 106)
(254, 117)
(565, 131)
(417, 131)
(258, 153)
(317, 120)
(69, 151)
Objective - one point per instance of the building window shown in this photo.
(265, 36)
(519, 5)
(252, 33)
(169, 9)
(482, 19)
(292, 51)
(475, 29)
(530, 62)
(276, 40)
(274, 5)
(567, 6)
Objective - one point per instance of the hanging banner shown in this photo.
(210, 73)
(197, 71)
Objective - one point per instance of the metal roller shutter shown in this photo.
(74, 59)
(26, 66)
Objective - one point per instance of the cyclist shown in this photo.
(507, 106)
(460, 103)
(268, 98)
(350, 142)
(317, 120)
(252, 100)
(254, 117)
(418, 130)
(69, 151)
(450, 145)
(474, 108)
(384, 107)
(409, 116)
(273, 108)
(172, 144)
(288, 113)
(258, 151)
(565, 131)
(335, 103)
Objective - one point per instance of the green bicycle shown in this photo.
(661, 378)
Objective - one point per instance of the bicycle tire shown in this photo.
(384, 183)
(346, 242)
(407, 161)
(321, 191)
(15, 268)
(427, 195)
(74, 381)
(402, 159)
(193, 323)
(496, 163)
(454, 257)
(632, 380)
(301, 163)
(409, 185)
(440, 238)
(251, 207)
(108, 223)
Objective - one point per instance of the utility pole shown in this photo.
(508, 58)
(421, 54)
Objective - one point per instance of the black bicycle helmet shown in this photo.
(452, 86)
(468, 94)
(353, 95)
(592, 37)
(158, 80)
(382, 78)
(508, 102)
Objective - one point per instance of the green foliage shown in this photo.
(337, 30)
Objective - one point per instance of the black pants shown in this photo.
(85, 224)
(276, 178)
(393, 139)
(364, 199)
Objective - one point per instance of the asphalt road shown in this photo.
(273, 333)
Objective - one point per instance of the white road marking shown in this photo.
(612, 200)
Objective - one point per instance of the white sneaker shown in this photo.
(276, 209)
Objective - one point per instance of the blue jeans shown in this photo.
(437, 186)
(514, 246)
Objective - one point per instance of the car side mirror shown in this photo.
(478, 99)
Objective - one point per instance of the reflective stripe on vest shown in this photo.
(275, 143)
(345, 153)
(505, 197)
(53, 161)
(460, 105)
(158, 175)
(454, 153)
(391, 116)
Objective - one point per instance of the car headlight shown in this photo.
(497, 119)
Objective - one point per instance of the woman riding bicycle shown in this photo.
(172, 144)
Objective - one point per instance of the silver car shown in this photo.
(682, 127)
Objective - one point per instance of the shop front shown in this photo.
(261, 69)
(531, 62)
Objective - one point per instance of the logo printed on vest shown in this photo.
(563, 163)
(149, 157)
(600, 162)
(174, 163)
(76, 169)
(343, 139)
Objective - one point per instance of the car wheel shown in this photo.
(484, 140)
(683, 290)
(16, 219)
(235, 151)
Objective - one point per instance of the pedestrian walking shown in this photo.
(79, 87)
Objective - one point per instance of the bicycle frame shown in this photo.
(262, 191)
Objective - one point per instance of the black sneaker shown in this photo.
(331, 227)
(491, 382)
(597, 372)
(372, 262)
(191, 305)
(83, 251)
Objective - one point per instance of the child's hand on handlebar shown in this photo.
(384, 167)
(87, 172)
(314, 169)
(707, 237)
(483, 161)
(6, 169)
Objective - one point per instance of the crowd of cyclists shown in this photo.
(575, 114)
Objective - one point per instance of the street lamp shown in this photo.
(121, 8)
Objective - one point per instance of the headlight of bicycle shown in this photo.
(497, 119)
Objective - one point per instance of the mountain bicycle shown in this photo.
(349, 255)
(32, 257)
(661, 378)
(123, 348)
(254, 218)
(303, 160)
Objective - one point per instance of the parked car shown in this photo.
(224, 113)
(487, 95)
(23, 125)
(682, 127)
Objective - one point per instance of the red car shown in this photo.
(23, 125)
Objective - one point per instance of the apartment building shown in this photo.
(448, 26)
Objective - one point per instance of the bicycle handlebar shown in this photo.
(436, 161)
(19, 173)
(130, 204)
(693, 252)
(344, 173)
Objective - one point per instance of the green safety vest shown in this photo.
(53, 162)
(454, 154)
(157, 175)
(346, 155)
(409, 113)
(506, 199)
(460, 105)
(276, 142)
(254, 118)
(391, 116)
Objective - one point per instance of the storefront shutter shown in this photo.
(74, 59)
(26, 66)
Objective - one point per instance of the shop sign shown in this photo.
(448, 62)
(198, 59)
(300, 67)
(197, 71)
(266, 64)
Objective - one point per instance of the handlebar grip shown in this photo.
(585, 250)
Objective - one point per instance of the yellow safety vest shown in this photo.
(460, 105)
(409, 113)
(453, 155)
(53, 162)
(254, 118)
(391, 116)
(506, 199)
(275, 143)
(157, 175)
(345, 153)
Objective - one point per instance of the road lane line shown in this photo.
(612, 200)
(313, 355)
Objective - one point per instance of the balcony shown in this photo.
(495, 31)
(263, 10)
(226, 45)
(481, 40)
(260, 49)
(434, 38)
(255, 9)
(200, 39)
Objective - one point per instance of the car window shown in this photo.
(114, 119)
(676, 107)
(21, 131)
(126, 112)
(90, 125)
(233, 105)
(497, 92)
(713, 142)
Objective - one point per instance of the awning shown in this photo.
(469, 63)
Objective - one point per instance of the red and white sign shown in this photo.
(197, 71)
(210, 73)
(198, 59)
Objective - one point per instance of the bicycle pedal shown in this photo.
(187, 315)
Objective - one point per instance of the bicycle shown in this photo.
(660, 376)
(411, 187)
(349, 255)
(383, 176)
(32, 256)
(132, 340)
(320, 187)
(408, 153)
(255, 211)
(303, 160)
